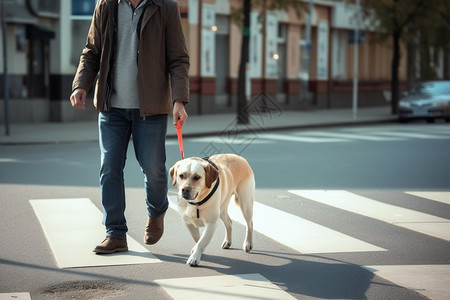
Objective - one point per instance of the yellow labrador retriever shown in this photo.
(205, 187)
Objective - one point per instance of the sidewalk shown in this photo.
(200, 125)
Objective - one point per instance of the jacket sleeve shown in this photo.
(177, 57)
(89, 65)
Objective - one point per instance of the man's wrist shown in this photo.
(180, 101)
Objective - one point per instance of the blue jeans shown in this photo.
(149, 137)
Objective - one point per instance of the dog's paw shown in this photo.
(247, 247)
(226, 244)
(193, 260)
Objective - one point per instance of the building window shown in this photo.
(83, 9)
(339, 40)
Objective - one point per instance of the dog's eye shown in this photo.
(181, 176)
(196, 177)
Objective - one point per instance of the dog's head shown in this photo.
(192, 176)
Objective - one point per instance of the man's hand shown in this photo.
(78, 99)
(179, 113)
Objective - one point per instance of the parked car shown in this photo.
(426, 100)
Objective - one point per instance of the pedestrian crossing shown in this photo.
(304, 236)
(402, 217)
(226, 287)
(71, 243)
(340, 135)
(311, 238)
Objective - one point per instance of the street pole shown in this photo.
(355, 62)
(306, 60)
(5, 70)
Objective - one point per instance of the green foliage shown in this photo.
(418, 23)
(390, 16)
(237, 15)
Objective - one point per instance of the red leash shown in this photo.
(180, 138)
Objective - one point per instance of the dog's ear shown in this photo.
(211, 175)
(173, 174)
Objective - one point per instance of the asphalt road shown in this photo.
(379, 163)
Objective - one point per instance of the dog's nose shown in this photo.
(186, 192)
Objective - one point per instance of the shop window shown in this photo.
(339, 40)
(83, 8)
(280, 57)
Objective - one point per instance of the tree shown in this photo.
(242, 18)
(438, 30)
(242, 99)
(392, 18)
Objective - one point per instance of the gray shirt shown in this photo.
(125, 72)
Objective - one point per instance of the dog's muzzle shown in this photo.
(186, 193)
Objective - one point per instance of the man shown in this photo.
(137, 56)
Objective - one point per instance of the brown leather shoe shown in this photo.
(111, 245)
(154, 230)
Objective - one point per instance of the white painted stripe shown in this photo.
(351, 136)
(413, 135)
(288, 138)
(443, 197)
(440, 129)
(406, 218)
(225, 287)
(239, 140)
(304, 236)
(171, 142)
(15, 296)
(300, 234)
(73, 228)
(10, 160)
(432, 281)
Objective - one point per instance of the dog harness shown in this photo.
(212, 191)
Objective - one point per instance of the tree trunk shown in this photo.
(394, 72)
(243, 117)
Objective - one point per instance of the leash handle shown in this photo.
(180, 138)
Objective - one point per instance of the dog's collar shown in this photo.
(214, 189)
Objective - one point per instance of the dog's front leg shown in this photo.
(195, 232)
(198, 249)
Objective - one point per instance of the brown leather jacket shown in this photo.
(163, 60)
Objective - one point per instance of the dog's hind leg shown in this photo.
(246, 198)
(227, 223)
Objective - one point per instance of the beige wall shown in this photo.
(293, 51)
(16, 60)
(375, 59)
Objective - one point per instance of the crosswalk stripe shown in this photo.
(432, 281)
(406, 218)
(351, 136)
(223, 287)
(15, 296)
(385, 133)
(413, 135)
(73, 225)
(443, 197)
(243, 139)
(290, 138)
(305, 237)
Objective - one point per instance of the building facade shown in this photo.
(45, 40)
